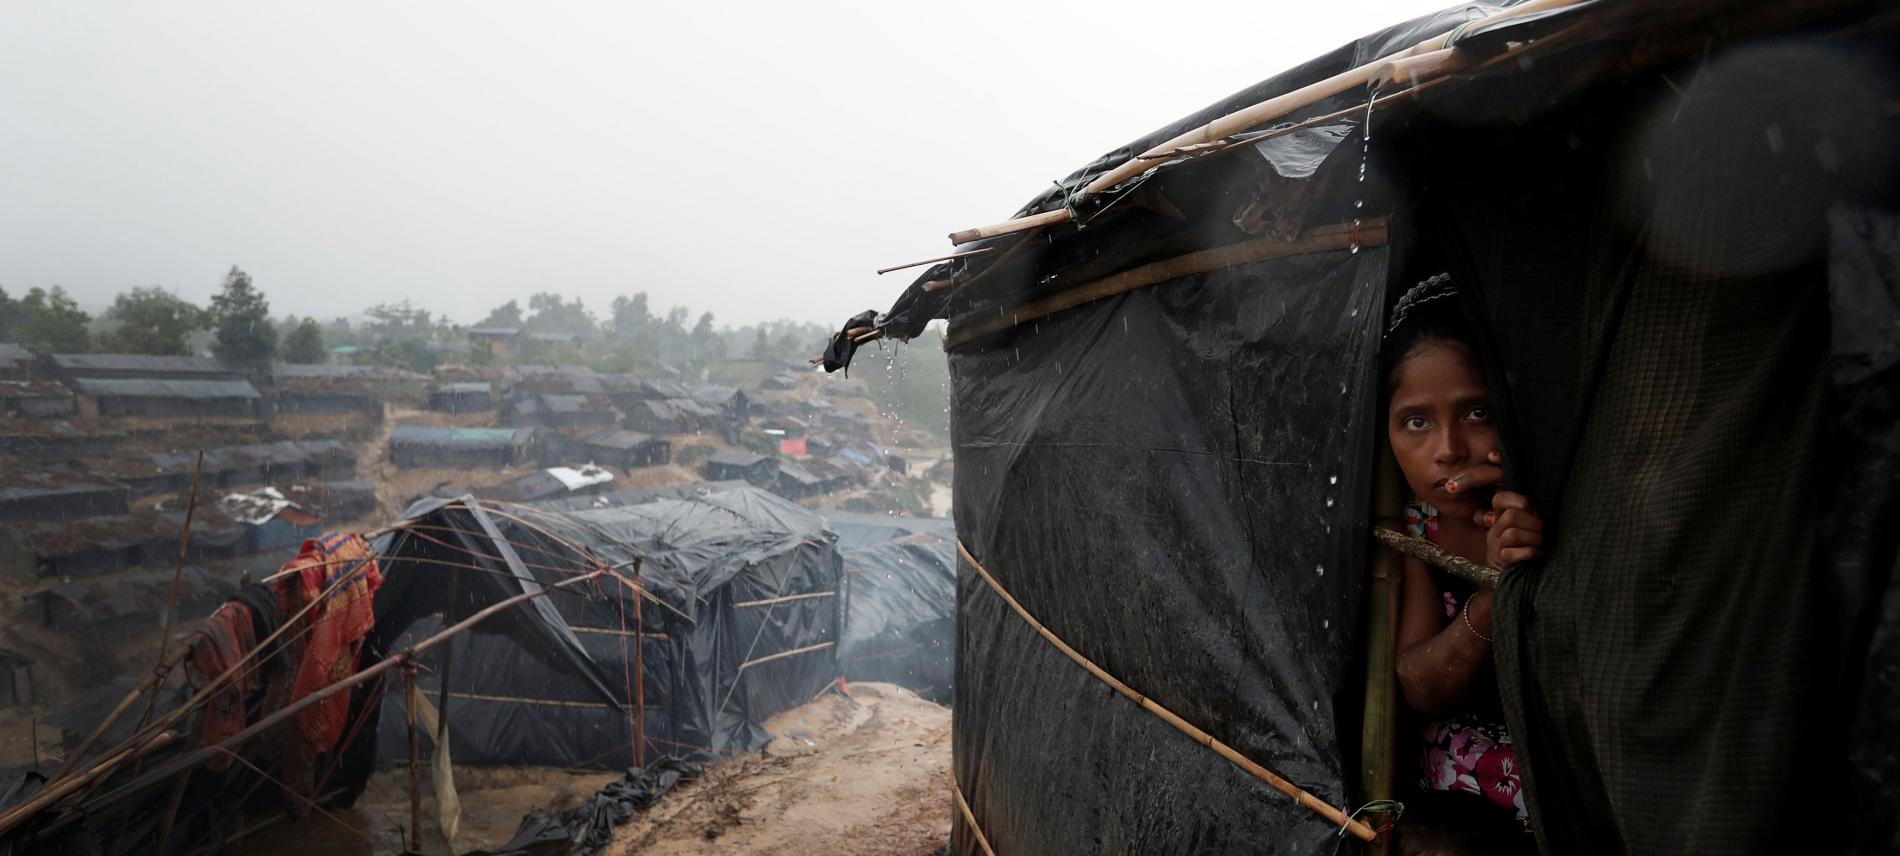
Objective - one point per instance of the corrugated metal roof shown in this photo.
(736, 459)
(296, 370)
(139, 362)
(163, 388)
(11, 354)
(619, 439)
(480, 388)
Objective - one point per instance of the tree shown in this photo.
(304, 345)
(761, 345)
(11, 316)
(506, 315)
(246, 337)
(630, 315)
(50, 322)
(152, 321)
(554, 315)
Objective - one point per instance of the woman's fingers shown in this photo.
(1519, 538)
(1508, 499)
(1514, 555)
(1480, 476)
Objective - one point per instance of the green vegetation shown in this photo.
(152, 321)
(245, 336)
(304, 345)
(48, 322)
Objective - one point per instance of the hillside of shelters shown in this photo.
(100, 461)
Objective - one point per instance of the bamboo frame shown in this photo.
(1433, 57)
(1378, 736)
(1432, 554)
(783, 654)
(19, 813)
(1332, 813)
(1370, 232)
(746, 604)
(410, 697)
(969, 819)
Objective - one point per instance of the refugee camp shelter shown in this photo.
(553, 410)
(752, 467)
(741, 622)
(470, 397)
(496, 340)
(40, 399)
(672, 416)
(626, 449)
(1673, 227)
(16, 363)
(795, 482)
(140, 367)
(166, 398)
(465, 448)
(550, 483)
(326, 395)
(901, 624)
(112, 608)
(51, 497)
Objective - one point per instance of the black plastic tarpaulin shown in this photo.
(901, 624)
(740, 621)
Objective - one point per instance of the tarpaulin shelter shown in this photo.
(902, 626)
(740, 621)
(466, 448)
(1676, 224)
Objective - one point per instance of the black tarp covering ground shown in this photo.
(588, 828)
(1682, 244)
(517, 699)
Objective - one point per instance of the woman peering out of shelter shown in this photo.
(1440, 426)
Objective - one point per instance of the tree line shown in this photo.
(238, 328)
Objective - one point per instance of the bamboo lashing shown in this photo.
(1247, 118)
(1369, 233)
(969, 819)
(18, 814)
(1432, 554)
(1331, 813)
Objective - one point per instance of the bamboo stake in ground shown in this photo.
(639, 677)
(415, 757)
(1318, 806)
(18, 814)
(1378, 736)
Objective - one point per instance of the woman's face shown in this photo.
(1440, 423)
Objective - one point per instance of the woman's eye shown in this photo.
(1415, 423)
(1479, 414)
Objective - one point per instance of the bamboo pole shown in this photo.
(1318, 806)
(171, 602)
(1240, 121)
(969, 819)
(1378, 736)
(976, 252)
(18, 814)
(415, 756)
(783, 654)
(54, 792)
(744, 604)
(1432, 554)
(1370, 232)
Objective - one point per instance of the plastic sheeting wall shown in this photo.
(1173, 481)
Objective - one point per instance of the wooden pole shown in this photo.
(969, 818)
(1432, 554)
(1378, 736)
(937, 259)
(54, 791)
(171, 603)
(18, 814)
(1318, 806)
(415, 756)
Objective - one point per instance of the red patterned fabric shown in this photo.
(337, 626)
(220, 642)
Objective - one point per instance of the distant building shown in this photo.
(558, 411)
(497, 340)
(36, 400)
(460, 448)
(166, 398)
(757, 469)
(141, 366)
(461, 397)
(672, 416)
(626, 449)
(15, 362)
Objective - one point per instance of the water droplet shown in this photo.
(1332, 479)
(1355, 249)
(1325, 623)
(1329, 502)
(1316, 704)
(1359, 203)
(1320, 569)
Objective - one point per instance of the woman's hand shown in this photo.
(1514, 532)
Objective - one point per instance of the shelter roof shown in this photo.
(11, 355)
(615, 439)
(732, 458)
(197, 390)
(139, 362)
(426, 435)
(474, 388)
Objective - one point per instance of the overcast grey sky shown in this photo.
(756, 160)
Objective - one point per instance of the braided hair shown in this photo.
(1427, 311)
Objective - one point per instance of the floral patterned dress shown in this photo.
(1466, 751)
